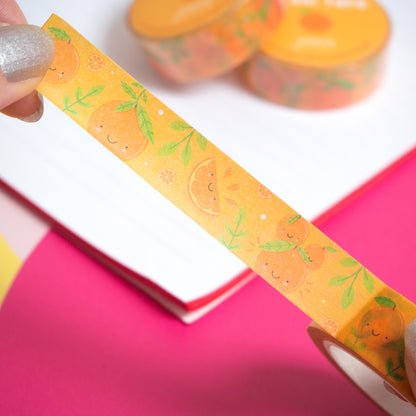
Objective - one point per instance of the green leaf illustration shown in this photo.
(96, 90)
(354, 331)
(330, 249)
(304, 256)
(137, 85)
(338, 280)
(145, 123)
(389, 365)
(347, 297)
(349, 344)
(277, 245)
(234, 233)
(73, 111)
(127, 105)
(368, 281)
(179, 125)
(229, 229)
(67, 100)
(144, 95)
(223, 242)
(348, 262)
(241, 216)
(59, 33)
(201, 141)
(400, 358)
(396, 376)
(168, 148)
(84, 104)
(186, 154)
(343, 83)
(383, 301)
(360, 346)
(128, 90)
(78, 93)
(293, 219)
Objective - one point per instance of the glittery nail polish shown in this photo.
(26, 51)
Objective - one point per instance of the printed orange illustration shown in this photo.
(381, 326)
(203, 187)
(66, 61)
(293, 228)
(316, 256)
(315, 21)
(118, 131)
(286, 269)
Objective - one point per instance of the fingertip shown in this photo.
(410, 354)
(28, 108)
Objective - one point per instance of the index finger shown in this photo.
(11, 13)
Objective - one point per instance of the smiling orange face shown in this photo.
(285, 270)
(293, 228)
(203, 187)
(117, 131)
(65, 64)
(380, 326)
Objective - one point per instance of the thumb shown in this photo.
(26, 52)
(410, 355)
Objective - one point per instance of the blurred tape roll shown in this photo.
(188, 40)
(324, 54)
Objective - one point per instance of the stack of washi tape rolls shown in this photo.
(306, 54)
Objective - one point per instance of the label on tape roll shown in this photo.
(324, 54)
(168, 18)
(328, 33)
(298, 260)
(195, 39)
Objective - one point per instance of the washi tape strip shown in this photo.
(192, 40)
(324, 54)
(298, 260)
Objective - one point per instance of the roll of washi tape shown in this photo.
(324, 54)
(188, 40)
(363, 314)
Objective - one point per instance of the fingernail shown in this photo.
(26, 51)
(33, 118)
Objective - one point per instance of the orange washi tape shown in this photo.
(353, 307)
(324, 54)
(195, 39)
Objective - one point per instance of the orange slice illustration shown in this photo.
(331, 326)
(203, 187)
(95, 63)
(167, 177)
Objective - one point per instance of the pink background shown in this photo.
(77, 340)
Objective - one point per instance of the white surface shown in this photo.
(370, 382)
(309, 159)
